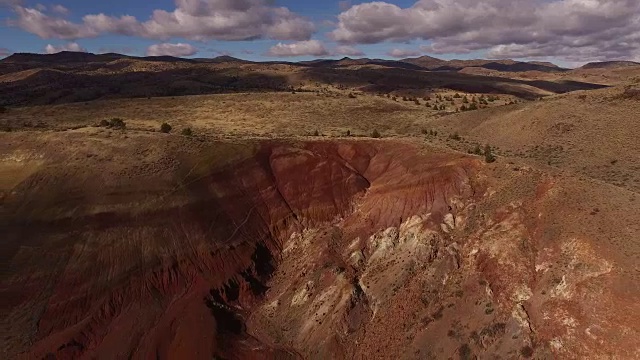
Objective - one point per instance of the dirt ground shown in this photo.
(259, 236)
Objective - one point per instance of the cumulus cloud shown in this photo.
(348, 51)
(531, 28)
(179, 49)
(191, 19)
(403, 53)
(301, 48)
(60, 10)
(52, 49)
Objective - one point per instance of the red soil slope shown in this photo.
(128, 268)
(184, 249)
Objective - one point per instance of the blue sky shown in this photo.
(564, 31)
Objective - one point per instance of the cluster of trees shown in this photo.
(489, 156)
(469, 102)
(374, 134)
(166, 128)
(119, 124)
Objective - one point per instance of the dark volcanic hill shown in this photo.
(28, 79)
(432, 63)
(610, 64)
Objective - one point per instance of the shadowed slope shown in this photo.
(109, 262)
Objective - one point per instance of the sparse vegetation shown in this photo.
(476, 151)
(408, 165)
(165, 128)
(489, 157)
(116, 124)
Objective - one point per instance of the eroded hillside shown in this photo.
(119, 246)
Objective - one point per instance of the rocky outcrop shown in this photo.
(328, 249)
(176, 273)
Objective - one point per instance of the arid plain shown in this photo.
(330, 209)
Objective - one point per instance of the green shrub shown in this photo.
(376, 134)
(489, 157)
(457, 96)
(104, 123)
(117, 124)
(165, 128)
(187, 132)
(455, 136)
(316, 133)
(351, 96)
(477, 150)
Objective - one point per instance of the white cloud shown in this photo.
(348, 51)
(191, 19)
(60, 10)
(301, 48)
(52, 49)
(179, 49)
(591, 29)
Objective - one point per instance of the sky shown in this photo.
(567, 32)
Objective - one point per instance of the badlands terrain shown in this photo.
(348, 209)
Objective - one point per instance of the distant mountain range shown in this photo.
(420, 63)
(37, 79)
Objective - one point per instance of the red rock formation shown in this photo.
(174, 273)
